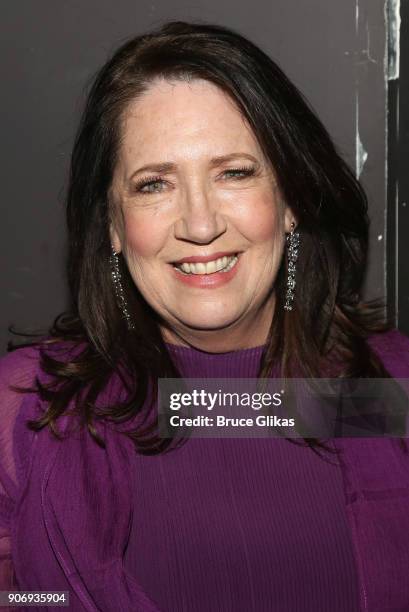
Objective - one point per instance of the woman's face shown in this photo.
(192, 185)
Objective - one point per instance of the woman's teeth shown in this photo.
(223, 264)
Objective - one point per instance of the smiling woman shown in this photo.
(198, 215)
(214, 232)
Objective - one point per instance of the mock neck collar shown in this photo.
(193, 362)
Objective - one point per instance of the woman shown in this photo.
(214, 232)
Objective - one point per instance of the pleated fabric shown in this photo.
(240, 524)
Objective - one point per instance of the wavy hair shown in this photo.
(330, 323)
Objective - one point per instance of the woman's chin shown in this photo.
(207, 323)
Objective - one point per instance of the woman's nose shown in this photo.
(200, 219)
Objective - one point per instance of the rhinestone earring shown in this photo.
(293, 243)
(119, 290)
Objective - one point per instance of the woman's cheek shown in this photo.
(144, 237)
(261, 220)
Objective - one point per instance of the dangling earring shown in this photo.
(293, 242)
(119, 290)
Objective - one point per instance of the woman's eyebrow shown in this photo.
(159, 167)
(170, 166)
(221, 159)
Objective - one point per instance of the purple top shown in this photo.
(240, 524)
(218, 524)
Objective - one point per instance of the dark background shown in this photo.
(342, 55)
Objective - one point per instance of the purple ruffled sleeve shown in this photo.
(16, 369)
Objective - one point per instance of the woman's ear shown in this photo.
(115, 241)
(114, 221)
(289, 220)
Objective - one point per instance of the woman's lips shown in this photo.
(205, 258)
(207, 281)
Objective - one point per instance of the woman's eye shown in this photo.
(157, 185)
(150, 186)
(239, 172)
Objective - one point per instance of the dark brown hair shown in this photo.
(329, 325)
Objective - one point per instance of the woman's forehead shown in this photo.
(185, 118)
